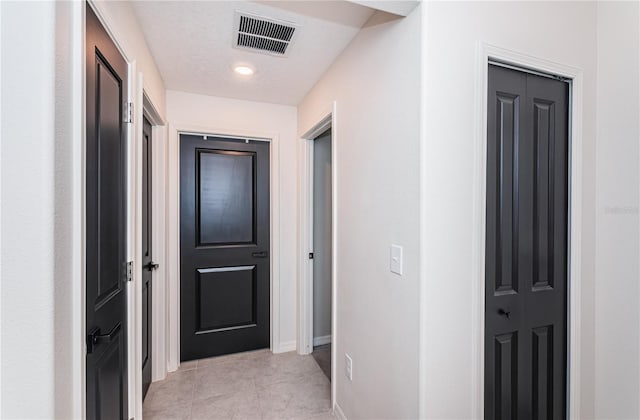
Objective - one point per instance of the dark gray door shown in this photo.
(147, 256)
(224, 246)
(106, 317)
(526, 246)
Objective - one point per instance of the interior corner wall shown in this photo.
(563, 32)
(617, 321)
(376, 85)
(122, 24)
(231, 116)
(68, 251)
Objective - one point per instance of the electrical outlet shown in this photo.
(348, 367)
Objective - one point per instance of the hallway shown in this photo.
(251, 385)
(425, 273)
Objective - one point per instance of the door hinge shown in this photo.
(129, 271)
(311, 255)
(128, 112)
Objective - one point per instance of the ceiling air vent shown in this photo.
(264, 35)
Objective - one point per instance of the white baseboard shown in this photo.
(338, 413)
(286, 347)
(320, 341)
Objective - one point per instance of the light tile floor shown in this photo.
(252, 385)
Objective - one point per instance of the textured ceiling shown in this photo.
(191, 42)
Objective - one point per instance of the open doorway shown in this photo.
(317, 299)
(322, 261)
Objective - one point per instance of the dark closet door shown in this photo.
(526, 247)
(106, 317)
(224, 246)
(147, 256)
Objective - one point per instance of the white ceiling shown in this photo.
(191, 42)
(396, 7)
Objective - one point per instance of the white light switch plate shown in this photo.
(348, 367)
(396, 259)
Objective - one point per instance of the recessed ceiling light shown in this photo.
(243, 70)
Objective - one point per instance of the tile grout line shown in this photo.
(193, 390)
(255, 390)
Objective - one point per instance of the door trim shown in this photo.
(158, 228)
(328, 118)
(78, 375)
(173, 233)
(144, 107)
(484, 53)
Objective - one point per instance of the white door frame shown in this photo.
(327, 119)
(173, 229)
(79, 312)
(486, 52)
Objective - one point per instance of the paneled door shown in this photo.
(148, 266)
(224, 246)
(106, 316)
(526, 246)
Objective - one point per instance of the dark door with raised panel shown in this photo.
(526, 246)
(106, 317)
(224, 246)
(148, 266)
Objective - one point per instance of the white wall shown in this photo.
(68, 198)
(27, 202)
(235, 116)
(122, 24)
(617, 327)
(41, 139)
(557, 31)
(375, 82)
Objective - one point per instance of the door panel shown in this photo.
(227, 297)
(526, 246)
(542, 392)
(106, 318)
(506, 244)
(224, 244)
(108, 382)
(110, 187)
(506, 375)
(147, 262)
(225, 188)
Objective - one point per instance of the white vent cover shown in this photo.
(262, 34)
